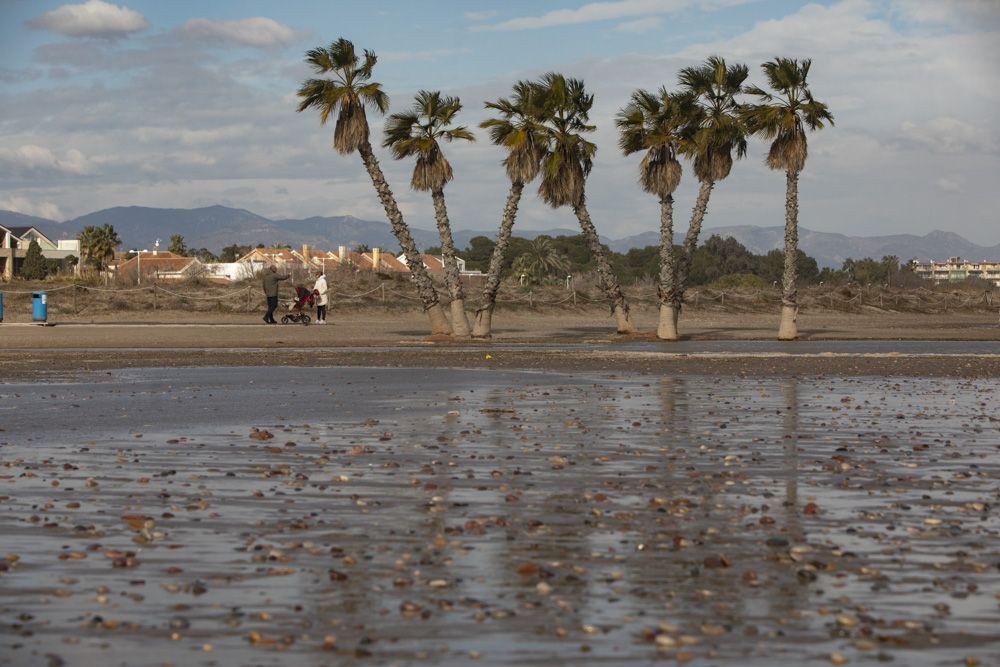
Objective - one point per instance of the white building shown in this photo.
(957, 269)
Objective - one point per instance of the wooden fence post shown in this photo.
(153, 288)
(531, 299)
(249, 290)
(574, 296)
(383, 292)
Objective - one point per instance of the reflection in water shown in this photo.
(537, 517)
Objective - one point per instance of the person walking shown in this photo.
(271, 280)
(320, 290)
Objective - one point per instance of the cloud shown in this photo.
(433, 54)
(950, 184)
(601, 11)
(480, 16)
(33, 159)
(954, 13)
(42, 209)
(640, 25)
(191, 137)
(93, 18)
(949, 135)
(257, 32)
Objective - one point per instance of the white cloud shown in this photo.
(42, 209)
(979, 13)
(950, 184)
(601, 11)
(948, 135)
(480, 16)
(189, 137)
(93, 18)
(258, 32)
(640, 25)
(33, 159)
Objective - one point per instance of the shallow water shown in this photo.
(416, 516)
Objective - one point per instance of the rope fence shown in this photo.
(250, 297)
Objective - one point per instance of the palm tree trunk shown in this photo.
(607, 279)
(788, 330)
(483, 327)
(691, 242)
(425, 288)
(459, 320)
(667, 327)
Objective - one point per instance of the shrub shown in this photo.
(738, 280)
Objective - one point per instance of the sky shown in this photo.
(189, 103)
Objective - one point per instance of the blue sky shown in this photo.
(185, 104)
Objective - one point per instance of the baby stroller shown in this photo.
(296, 307)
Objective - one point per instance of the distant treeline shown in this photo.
(722, 262)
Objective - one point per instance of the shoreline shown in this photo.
(565, 342)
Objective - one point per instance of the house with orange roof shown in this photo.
(151, 266)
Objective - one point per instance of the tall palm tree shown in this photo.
(97, 245)
(346, 95)
(520, 132)
(715, 130)
(564, 174)
(655, 123)
(417, 133)
(782, 118)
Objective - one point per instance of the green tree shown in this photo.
(419, 133)
(565, 167)
(655, 124)
(346, 96)
(233, 252)
(541, 260)
(477, 255)
(518, 130)
(97, 245)
(783, 117)
(34, 266)
(715, 131)
(177, 245)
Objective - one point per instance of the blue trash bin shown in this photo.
(39, 306)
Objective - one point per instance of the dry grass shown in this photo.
(353, 291)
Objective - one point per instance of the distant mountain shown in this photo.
(832, 249)
(215, 227)
(12, 219)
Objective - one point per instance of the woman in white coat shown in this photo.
(320, 290)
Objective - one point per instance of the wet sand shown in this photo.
(455, 517)
(568, 341)
(558, 495)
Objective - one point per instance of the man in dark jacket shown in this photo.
(271, 279)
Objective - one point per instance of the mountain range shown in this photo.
(215, 227)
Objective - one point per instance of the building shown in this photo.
(956, 269)
(158, 265)
(435, 266)
(14, 242)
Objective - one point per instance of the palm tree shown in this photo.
(97, 245)
(655, 123)
(715, 130)
(417, 133)
(520, 132)
(783, 117)
(346, 95)
(565, 167)
(541, 259)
